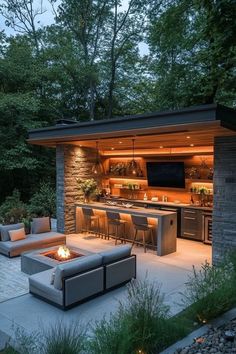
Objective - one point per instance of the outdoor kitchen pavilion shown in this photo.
(196, 135)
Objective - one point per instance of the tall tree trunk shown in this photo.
(92, 101)
(111, 90)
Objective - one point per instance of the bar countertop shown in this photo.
(165, 222)
(154, 213)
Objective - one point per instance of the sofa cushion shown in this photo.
(5, 228)
(48, 236)
(16, 235)
(40, 225)
(74, 267)
(40, 284)
(32, 242)
(115, 253)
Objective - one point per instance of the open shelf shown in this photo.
(188, 180)
(125, 177)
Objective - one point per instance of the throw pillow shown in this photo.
(16, 235)
(40, 225)
(5, 228)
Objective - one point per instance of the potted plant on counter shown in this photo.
(88, 187)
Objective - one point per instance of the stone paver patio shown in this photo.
(171, 271)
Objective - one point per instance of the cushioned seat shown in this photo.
(74, 267)
(120, 266)
(73, 281)
(43, 240)
(40, 284)
(115, 253)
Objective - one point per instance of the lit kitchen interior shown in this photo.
(156, 175)
(161, 175)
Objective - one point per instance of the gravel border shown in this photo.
(189, 339)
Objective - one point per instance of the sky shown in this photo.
(48, 18)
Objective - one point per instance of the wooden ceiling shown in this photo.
(198, 140)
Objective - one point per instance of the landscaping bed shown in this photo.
(216, 340)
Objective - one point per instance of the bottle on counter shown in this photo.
(145, 196)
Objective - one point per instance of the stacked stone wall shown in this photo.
(73, 162)
(224, 210)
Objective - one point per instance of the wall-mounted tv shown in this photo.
(166, 174)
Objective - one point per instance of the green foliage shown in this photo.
(87, 186)
(210, 291)
(63, 339)
(142, 323)
(9, 350)
(13, 210)
(193, 48)
(54, 339)
(43, 202)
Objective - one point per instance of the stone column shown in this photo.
(72, 162)
(224, 210)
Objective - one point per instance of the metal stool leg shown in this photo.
(119, 236)
(99, 230)
(108, 231)
(144, 241)
(152, 236)
(116, 234)
(135, 235)
(124, 241)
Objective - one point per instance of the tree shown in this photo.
(85, 19)
(22, 16)
(126, 28)
(193, 46)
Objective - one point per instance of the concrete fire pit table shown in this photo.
(38, 260)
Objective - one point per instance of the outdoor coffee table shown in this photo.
(37, 261)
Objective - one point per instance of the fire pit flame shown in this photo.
(63, 252)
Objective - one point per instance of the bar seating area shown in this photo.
(116, 228)
(143, 227)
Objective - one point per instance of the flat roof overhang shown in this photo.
(205, 122)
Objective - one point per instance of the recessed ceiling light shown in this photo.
(120, 142)
(112, 148)
(161, 147)
(188, 137)
(80, 145)
(191, 145)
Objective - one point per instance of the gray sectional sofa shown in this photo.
(41, 236)
(76, 281)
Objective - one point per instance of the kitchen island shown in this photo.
(165, 223)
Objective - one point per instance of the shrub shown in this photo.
(111, 336)
(210, 291)
(58, 339)
(63, 339)
(145, 312)
(141, 325)
(43, 202)
(13, 210)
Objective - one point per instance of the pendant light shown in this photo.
(97, 168)
(133, 165)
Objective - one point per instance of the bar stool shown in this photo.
(114, 220)
(90, 220)
(140, 223)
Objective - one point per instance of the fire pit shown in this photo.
(62, 254)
